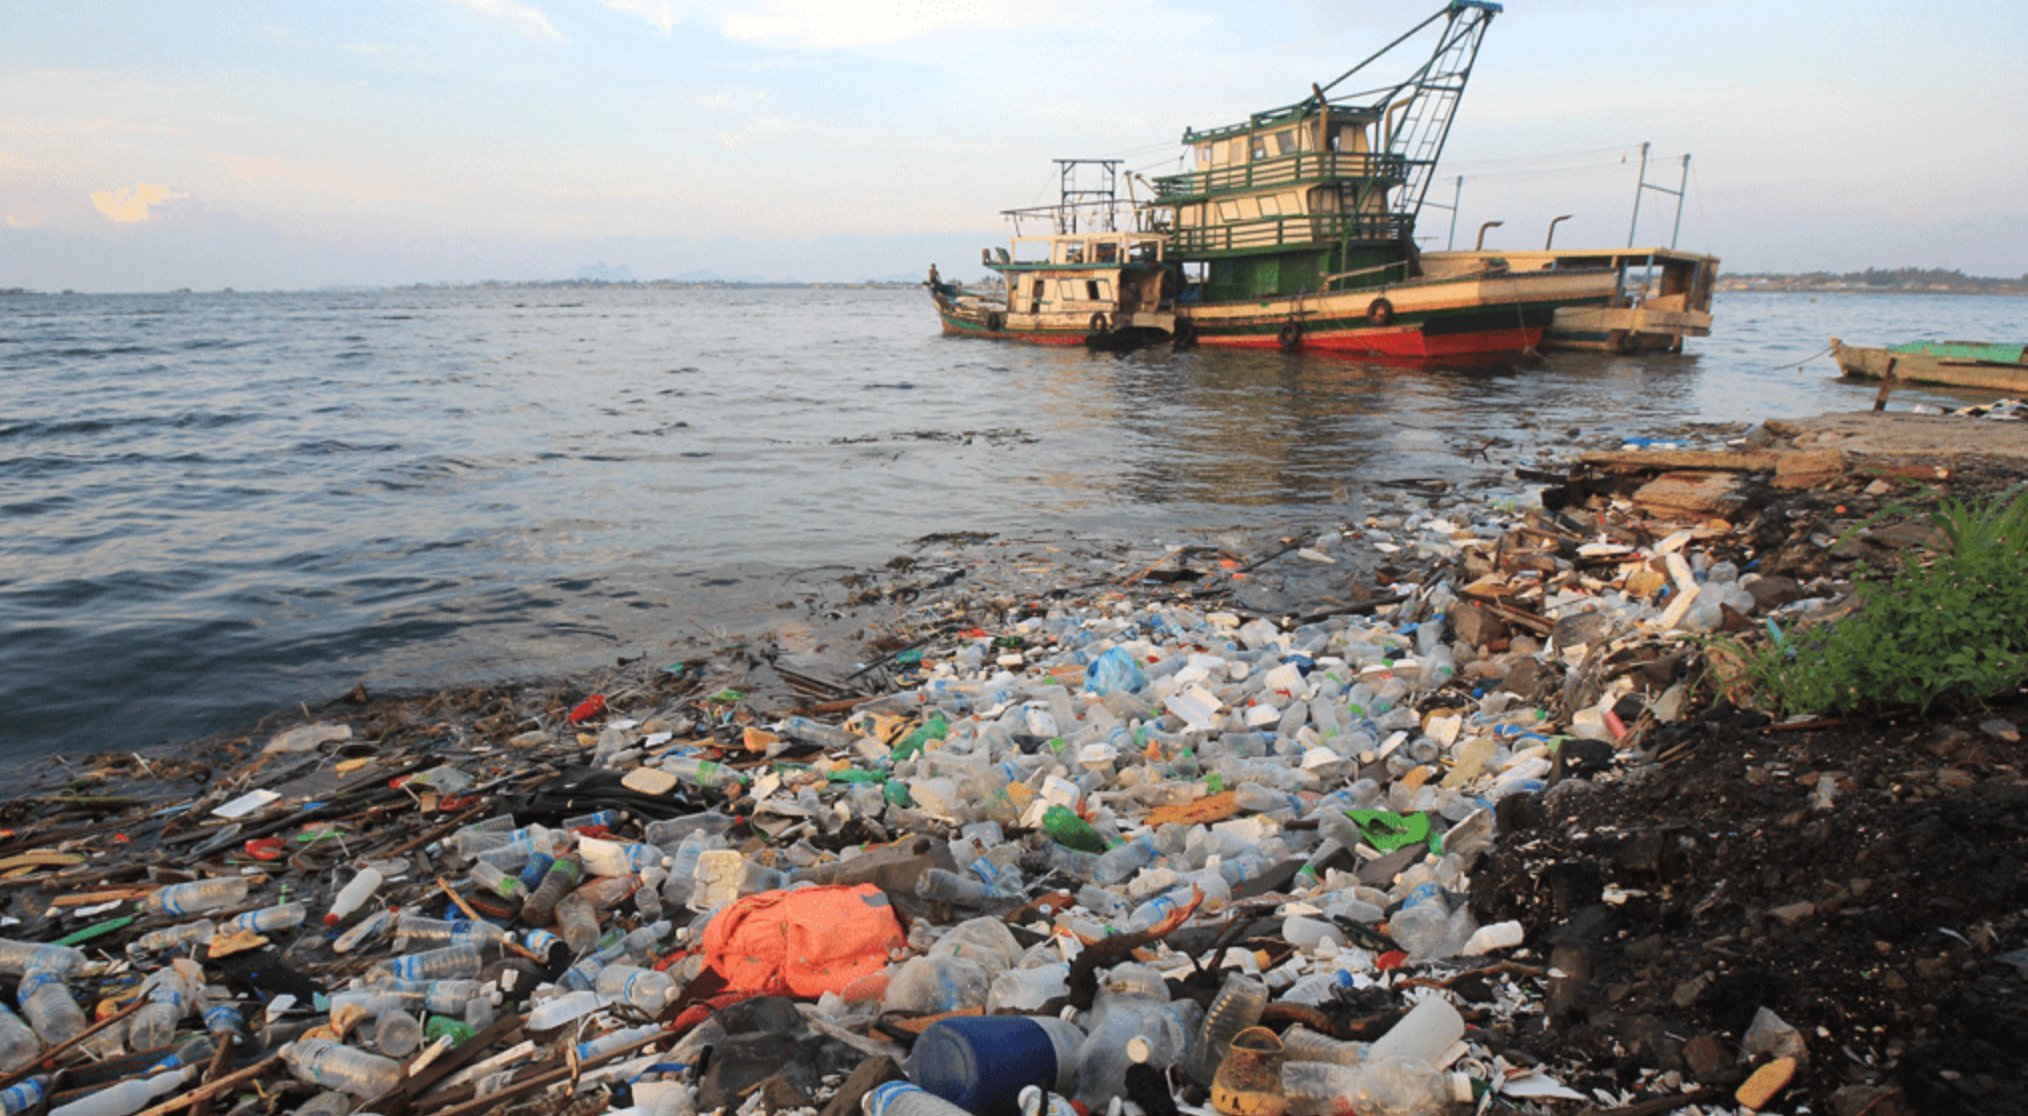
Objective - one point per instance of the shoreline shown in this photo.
(1564, 608)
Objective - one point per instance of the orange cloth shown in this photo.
(802, 943)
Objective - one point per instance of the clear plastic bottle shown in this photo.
(196, 896)
(397, 1034)
(172, 937)
(562, 878)
(353, 895)
(1125, 859)
(899, 1098)
(25, 1097)
(597, 819)
(171, 994)
(48, 1007)
(577, 923)
(18, 1044)
(613, 1040)
(269, 919)
(671, 831)
(128, 1096)
(697, 772)
(1238, 1006)
(469, 843)
(19, 957)
(949, 887)
(1386, 1087)
(558, 1010)
(365, 930)
(1300, 1044)
(645, 990)
(223, 1020)
(458, 962)
(413, 931)
(337, 1066)
(1421, 1036)
(494, 880)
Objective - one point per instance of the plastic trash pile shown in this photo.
(1126, 856)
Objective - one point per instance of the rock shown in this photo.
(1772, 591)
(1690, 497)
(1870, 1100)
(1476, 626)
(1529, 678)
(874, 1071)
(1705, 1056)
(779, 1094)
(2001, 730)
(1586, 757)
(1793, 914)
(1584, 628)
(1766, 1081)
(1808, 468)
(1771, 1035)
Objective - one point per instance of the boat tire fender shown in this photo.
(1380, 311)
(1100, 323)
(1185, 333)
(1290, 336)
(994, 322)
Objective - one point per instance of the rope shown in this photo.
(1825, 351)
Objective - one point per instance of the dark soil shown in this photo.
(1860, 880)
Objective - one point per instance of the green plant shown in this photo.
(1950, 624)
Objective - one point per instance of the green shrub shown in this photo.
(1949, 625)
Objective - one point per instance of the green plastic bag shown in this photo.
(1387, 831)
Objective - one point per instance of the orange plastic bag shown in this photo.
(802, 943)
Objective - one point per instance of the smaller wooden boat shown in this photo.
(1972, 364)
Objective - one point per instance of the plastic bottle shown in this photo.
(366, 929)
(337, 1066)
(128, 1096)
(949, 887)
(1238, 1006)
(614, 858)
(645, 990)
(196, 896)
(1123, 860)
(1300, 1044)
(494, 880)
(981, 1063)
(458, 962)
(1421, 1036)
(697, 772)
(816, 732)
(1071, 831)
(18, 1045)
(412, 931)
(223, 1020)
(269, 919)
(1027, 989)
(47, 1006)
(171, 994)
(469, 843)
(170, 937)
(557, 1011)
(900, 1098)
(353, 895)
(614, 1040)
(1148, 1031)
(327, 1103)
(577, 923)
(25, 1097)
(19, 957)
(397, 1034)
(670, 831)
(597, 819)
(1387, 1087)
(561, 879)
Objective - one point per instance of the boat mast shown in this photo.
(1417, 112)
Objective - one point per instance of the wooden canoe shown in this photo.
(1971, 364)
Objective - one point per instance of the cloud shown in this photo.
(129, 204)
(525, 20)
(661, 14)
(827, 24)
(15, 221)
(367, 48)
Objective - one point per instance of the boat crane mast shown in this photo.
(1416, 112)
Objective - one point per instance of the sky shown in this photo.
(260, 145)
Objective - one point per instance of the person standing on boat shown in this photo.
(938, 287)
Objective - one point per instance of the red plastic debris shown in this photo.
(265, 848)
(588, 708)
(452, 803)
(1392, 959)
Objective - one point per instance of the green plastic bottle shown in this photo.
(1071, 831)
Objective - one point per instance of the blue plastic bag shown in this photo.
(1113, 672)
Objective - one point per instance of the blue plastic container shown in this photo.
(981, 1063)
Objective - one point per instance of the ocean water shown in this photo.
(216, 505)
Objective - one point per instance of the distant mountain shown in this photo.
(602, 272)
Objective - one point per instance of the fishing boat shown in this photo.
(1295, 230)
(1972, 364)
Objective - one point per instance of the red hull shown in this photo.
(1407, 342)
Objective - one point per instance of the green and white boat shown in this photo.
(1972, 364)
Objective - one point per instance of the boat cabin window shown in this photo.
(1203, 156)
(1235, 152)
(1143, 252)
(1104, 252)
(1284, 141)
(1348, 137)
(1035, 294)
(1270, 206)
(1228, 211)
(1084, 290)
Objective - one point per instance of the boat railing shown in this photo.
(1302, 166)
(1289, 229)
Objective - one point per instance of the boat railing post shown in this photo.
(1551, 238)
(1682, 191)
(1639, 189)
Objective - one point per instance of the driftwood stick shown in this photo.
(208, 1091)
